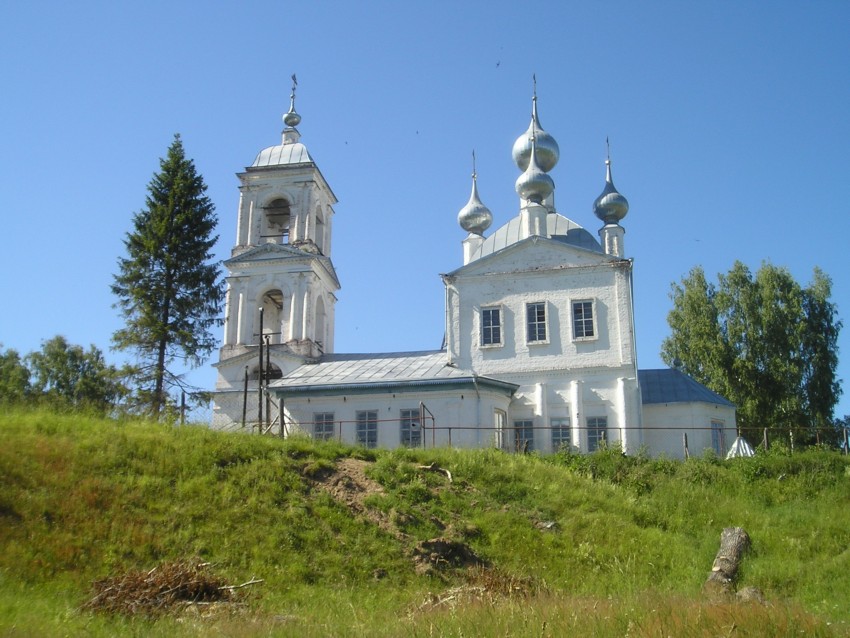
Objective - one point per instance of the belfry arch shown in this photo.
(321, 319)
(277, 217)
(274, 317)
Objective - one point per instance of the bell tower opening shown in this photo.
(276, 220)
(272, 305)
(273, 372)
(320, 233)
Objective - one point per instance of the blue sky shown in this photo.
(728, 123)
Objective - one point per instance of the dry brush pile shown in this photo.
(164, 589)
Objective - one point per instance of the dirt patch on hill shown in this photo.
(349, 485)
(441, 553)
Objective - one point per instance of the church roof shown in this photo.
(673, 386)
(283, 154)
(558, 228)
(346, 372)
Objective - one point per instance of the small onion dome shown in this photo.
(534, 184)
(547, 148)
(610, 206)
(475, 217)
(291, 118)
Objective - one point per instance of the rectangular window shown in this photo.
(718, 440)
(491, 326)
(583, 320)
(367, 428)
(596, 429)
(411, 428)
(500, 421)
(560, 433)
(323, 426)
(535, 314)
(524, 435)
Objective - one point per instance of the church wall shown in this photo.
(612, 345)
(665, 423)
(463, 417)
(577, 396)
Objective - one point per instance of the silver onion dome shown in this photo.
(475, 217)
(610, 206)
(547, 148)
(534, 185)
(291, 118)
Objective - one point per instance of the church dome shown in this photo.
(548, 152)
(610, 206)
(475, 217)
(534, 184)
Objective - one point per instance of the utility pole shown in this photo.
(260, 380)
(245, 399)
(266, 380)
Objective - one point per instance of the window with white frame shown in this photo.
(718, 438)
(535, 314)
(584, 324)
(491, 326)
(411, 428)
(524, 435)
(561, 437)
(323, 426)
(367, 428)
(597, 426)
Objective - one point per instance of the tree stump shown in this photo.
(734, 542)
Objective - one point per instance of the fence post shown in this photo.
(766, 442)
(685, 445)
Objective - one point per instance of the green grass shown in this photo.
(611, 545)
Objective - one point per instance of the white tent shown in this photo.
(740, 448)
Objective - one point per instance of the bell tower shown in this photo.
(281, 283)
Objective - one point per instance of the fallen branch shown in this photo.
(253, 581)
(436, 468)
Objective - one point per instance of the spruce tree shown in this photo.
(169, 291)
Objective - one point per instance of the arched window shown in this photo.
(274, 372)
(272, 305)
(319, 238)
(276, 221)
(320, 324)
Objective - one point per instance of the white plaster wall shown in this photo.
(665, 423)
(463, 417)
(605, 285)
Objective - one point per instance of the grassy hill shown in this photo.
(442, 542)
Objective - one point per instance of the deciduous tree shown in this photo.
(14, 378)
(764, 342)
(169, 291)
(66, 375)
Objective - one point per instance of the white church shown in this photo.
(539, 350)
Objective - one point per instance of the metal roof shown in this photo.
(558, 228)
(283, 154)
(374, 371)
(674, 386)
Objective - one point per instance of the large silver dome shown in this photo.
(548, 152)
(534, 184)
